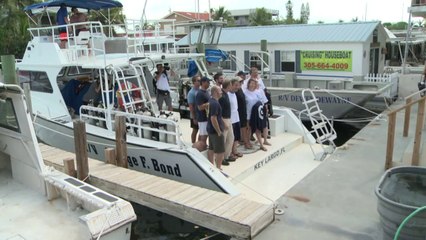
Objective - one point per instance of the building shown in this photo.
(173, 19)
(241, 16)
(334, 50)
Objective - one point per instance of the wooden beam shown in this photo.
(80, 142)
(407, 116)
(418, 135)
(391, 140)
(121, 141)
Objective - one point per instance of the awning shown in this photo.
(85, 4)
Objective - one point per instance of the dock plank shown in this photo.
(231, 215)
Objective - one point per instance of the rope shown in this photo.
(260, 194)
(363, 108)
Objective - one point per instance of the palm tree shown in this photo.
(13, 27)
(222, 14)
(260, 17)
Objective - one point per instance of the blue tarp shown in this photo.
(85, 4)
(215, 55)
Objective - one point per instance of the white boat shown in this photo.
(156, 140)
(38, 202)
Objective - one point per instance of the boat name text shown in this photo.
(154, 164)
(269, 158)
(321, 99)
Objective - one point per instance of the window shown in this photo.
(8, 116)
(226, 64)
(255, 60)
(288, 59)
(38, 81)
(78, 71)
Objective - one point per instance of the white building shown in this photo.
(339, 50)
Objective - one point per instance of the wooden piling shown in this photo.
(121, 141)
(9, 70)
(110, 156)
(69, 167)
(80, 141)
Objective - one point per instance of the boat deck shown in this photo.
(21, 206)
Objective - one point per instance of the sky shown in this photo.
(328, 11)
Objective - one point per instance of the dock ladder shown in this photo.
(321, 126)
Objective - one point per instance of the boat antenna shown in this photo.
(143, 17)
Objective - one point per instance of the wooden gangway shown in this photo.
(231, 215)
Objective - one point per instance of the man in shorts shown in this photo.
(202, 103)
(215, 128)
(191, 103)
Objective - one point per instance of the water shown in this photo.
(406, 188)
(155, 225)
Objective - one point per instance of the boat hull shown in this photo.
(334, 104)
(161, 159)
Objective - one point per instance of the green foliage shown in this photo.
(395, 26)
(304, 13)
(222, 14)
(289, 18)
(13, 27)
(116, 16)
(260, 17)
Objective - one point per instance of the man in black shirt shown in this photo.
(226, 116)
(215, 128)
(201, 102)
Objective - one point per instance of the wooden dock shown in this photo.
(231, 215)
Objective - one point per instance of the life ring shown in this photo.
(135, 94)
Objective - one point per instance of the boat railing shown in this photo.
(139, 125)
(390, 78)
(157, 36)
(91, 40)
(417, 144)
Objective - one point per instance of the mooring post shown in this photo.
(9, 71)
(121, 141)
(80, 141)
(110, 156)
(69, 167)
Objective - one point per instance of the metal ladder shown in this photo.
(127, 88)
(321, 125)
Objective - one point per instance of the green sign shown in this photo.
(326, 61)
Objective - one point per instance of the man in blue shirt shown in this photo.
(202, 105)
(62, 19)
(191, 103)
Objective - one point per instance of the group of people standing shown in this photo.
(228, 115)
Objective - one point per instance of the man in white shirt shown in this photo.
(163, 88)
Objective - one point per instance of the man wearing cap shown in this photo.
(202, 105)
(163, 88)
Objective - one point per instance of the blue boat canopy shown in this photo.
(85, 4)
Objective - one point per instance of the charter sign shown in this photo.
(326, 61)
